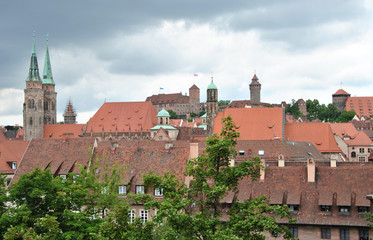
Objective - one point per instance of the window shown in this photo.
(158, 192)
(344, 234)
(361, 150)
(344, 209)
(160, 138)
(30, 121)
(362, 209)
(144, 216)
(122, 189)
(325, 208)
(293, 207)
(14, 165)
(294, 230)
(361, 159)
(140, 189)
(241, 152)
(132, 215)
(63, 176)
(325, 233)
(353, 154)
(363, 234)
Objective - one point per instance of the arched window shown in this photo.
(30, 121)
(29, 103)
(46, 103)
(353, 154)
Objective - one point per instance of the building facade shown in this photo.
(40, 98)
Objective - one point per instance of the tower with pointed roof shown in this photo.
(39, 105)
(69, 116)
(211, 106)
(255, 88)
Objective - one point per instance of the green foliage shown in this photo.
(201, 113)
(224, 102)
(321, 111)
(293, 109)
(193, 115)
(346, 116)
(173, 114)
(195, 212)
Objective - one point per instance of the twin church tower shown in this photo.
(40, 101)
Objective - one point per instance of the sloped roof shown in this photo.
(320, 134)
(140, 157)
(358, 138)
(11, 151)
(60, 155)
(341, 92)
(292, 179)
(182, 123)
(194, 87)
(363, 106)
(122, 116)
(239, 104)
(274, 149)
(253, 123)
(168, 98)
(63, 130)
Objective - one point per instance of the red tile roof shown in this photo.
(255, 77)
(357, 138)
(11, 151)
(61, 155)
(341, 92)
(168, 98)
(63, 130)
(123, 117)
(194, 87)
(320, 134)
(363, 106)
(253, 123)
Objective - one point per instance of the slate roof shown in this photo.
(320, 134)
(168, 98)
(11, 151)
(288, 185)
(123, 116)
(253, 123)
(274, 149)
(60, 155)
(363, 106)
(63, 130)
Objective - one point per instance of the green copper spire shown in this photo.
(47, 75)
(212, 85)
(33, 74)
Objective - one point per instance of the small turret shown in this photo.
(69, 116)
(255, 88)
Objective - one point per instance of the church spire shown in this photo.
(33, 74)
(47, 74)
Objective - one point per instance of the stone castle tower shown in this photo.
(255, 87)
(69, 117)
(40, 98)
(194, 99)
(339, 99)
(211, 106)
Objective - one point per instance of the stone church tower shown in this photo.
(211, 105)
(69, 116)
(39, 105)
(194, 99)
(255, 87)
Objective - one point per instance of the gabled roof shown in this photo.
(320, 134)
(357, 138)
(123, 117)
(341, 92)
(253, 123)
(239, 104)
(168, 98)
(63, 130)
(363, 106)
(11, 151)
(60, 155)
(194, 87)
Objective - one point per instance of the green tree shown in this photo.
(173, 114)
(224, 102)
(201, 113)
(293, 109)
(195, 212)
(346, 116)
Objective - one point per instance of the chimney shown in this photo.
(333, 162)
(311, 170)
(193, 153)
(262, 170)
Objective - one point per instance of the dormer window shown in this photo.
(241, 152)
(293, 207)
(14, 165)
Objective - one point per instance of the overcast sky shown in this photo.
(127, 50)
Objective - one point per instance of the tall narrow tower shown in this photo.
(33, 113)
(50, 95)
(212, 106)
(194, 99)
(255, 87)
(69, 116)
